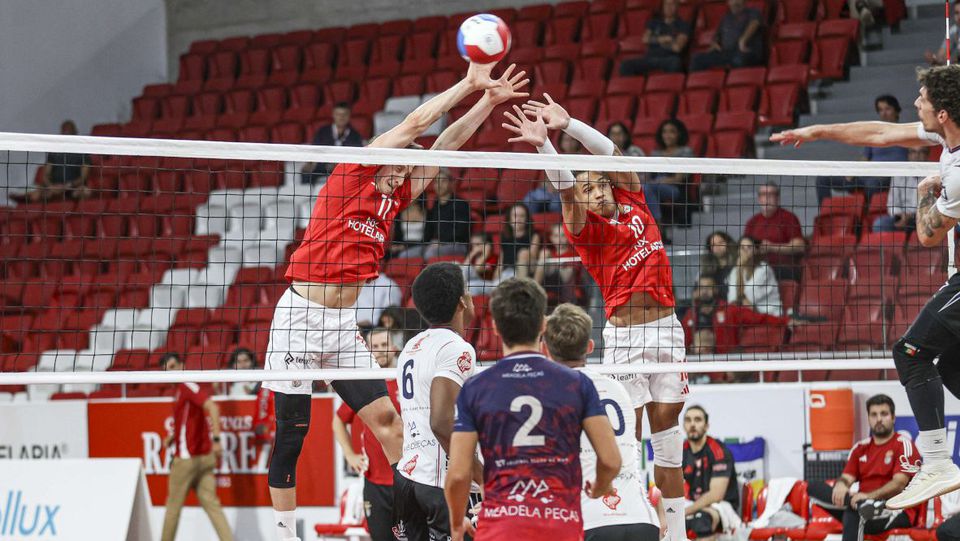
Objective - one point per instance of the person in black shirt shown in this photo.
(447, 230)
(709, 471)
(737, 43)
(340, 134)
(64, 175)
(667, 37)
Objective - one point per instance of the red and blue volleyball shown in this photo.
(483, 39)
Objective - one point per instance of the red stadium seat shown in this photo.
(823, 298)
(526, 33)
(710, 15)
(408, 85)
(829, 58)
(665, 82)
(594, 68)
(538, 12)
(746, 77)
(862, 327)
(848, 204)
(420, 45)
(599, 26)
(778, 106)
(848, 28)
(794, 73)
(552, 71)
(832, 225)
(222, 65)
(631, 86)
(633, 22)
(604, 47)
(738, 98)
(387, 48)
(362, 31)
(562, 30)
(697, 101)
(586, 88)
(576, 8)
(729, 144)
(618, 107)
(762, 339)
(787, 52)
(396, 27)
(658, 104)
(712, 79)
(607, 6)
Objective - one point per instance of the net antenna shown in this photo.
(952, 234)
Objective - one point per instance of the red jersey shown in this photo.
(625, 254)
(350, 225)
(875, 465)
(780, 228)
(191, 434)
(265, 418)
(378, 471)
(726, 322)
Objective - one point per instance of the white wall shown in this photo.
(83, 60)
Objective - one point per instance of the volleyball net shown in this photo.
(117, 251)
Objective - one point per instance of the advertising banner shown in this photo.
(43, 430)
(137, 429)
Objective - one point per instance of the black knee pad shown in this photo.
(293, 421)
(914, 364)
(701, 524)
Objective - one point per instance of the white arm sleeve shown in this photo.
(561, 179)
(594, 141)
(949, 201)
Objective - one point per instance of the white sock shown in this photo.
(673, 508)
(932, 445)
(286, 523)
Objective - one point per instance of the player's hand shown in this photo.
(529, 131)
(839, 492)
(856, 499)
(508, 86)
(478, 76)
(217, 448)
(357, 463)
(794, 137)
(555, 116)
(465, 528)
(932, 183)
(595, 491)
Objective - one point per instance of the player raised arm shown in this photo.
(534, 132)
(600, 433)
(870, 133)
(457, 487)
(557, 118)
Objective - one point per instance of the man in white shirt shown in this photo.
(625, 514)
(431, 369)
(374, 297)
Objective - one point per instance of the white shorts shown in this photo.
(307, 335)
(659, 341)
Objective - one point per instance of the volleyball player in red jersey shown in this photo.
(605, 217)
(313, 324)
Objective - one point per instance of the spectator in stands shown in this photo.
(409, 232)
(704, 342)
(559, 280)
(374, 298)
(719, 257)
(394, 318)
(243, 359)
(883, 465)
(940, 57)
(370, 461)
(671, 188)
(709, 471)
(64, 175)
(902, 199)
(666, 37)
(737, 43)
(543, 198)
(778, 230)
(751, 283)
(447, 229)
(482, 269)
(710, 313)
(866, 11)
(620, 135)
(194, 453)
(519, 243)
(888, 109)
(340, 133)
(569, 144)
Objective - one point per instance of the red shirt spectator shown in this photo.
(779, 233)
(874, 465)
(726, 321)
(191, 433)
(378, 469)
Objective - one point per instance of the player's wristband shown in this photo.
(594, 141)
(561, 179)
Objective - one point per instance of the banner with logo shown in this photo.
(43, 430)
(137, 429)
(73, 499)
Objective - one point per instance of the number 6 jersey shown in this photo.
(434, 353)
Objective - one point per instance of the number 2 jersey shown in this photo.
(528, 413)
(434, 353)
(625, 254)
(628, 504)
(348, 229)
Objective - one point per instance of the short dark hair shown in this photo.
(437, 291)
(943, 88)
(342, 105)
(880, 400)
(568, 333)
(240, 351)
(167, 356)
(519, 306)
(683, 136)
(889, 99)
(706, 416)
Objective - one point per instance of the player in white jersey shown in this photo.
(624, 514)
(936, 330)
(431, 370)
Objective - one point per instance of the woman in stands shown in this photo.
(719, 256)
(519, 244)
(752, 283)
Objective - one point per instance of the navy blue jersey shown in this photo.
(528, 413)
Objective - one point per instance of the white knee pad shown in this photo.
(667, 448)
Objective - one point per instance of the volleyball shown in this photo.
(483, 39)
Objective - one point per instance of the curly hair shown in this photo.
(943, 88)
(683, 137)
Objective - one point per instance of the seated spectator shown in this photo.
(704, 342)
(409, 230)
(865, 11)
(719, 258)
(243, 359)
(519, 244)
(403, 324)
(482, 268)
(737, 43)
(778, 230)
(902, 199)
(751, 283)
(374, 298)
(726, 322)
(340, 133)
(567, 144)
(888, 109)
(666, 37)
(620, 135)
(670, 188)
(543, 198)
(883, 465)
(447, 229)
(709, 471)
(558, 279)
(64, 175)
(940, 57)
